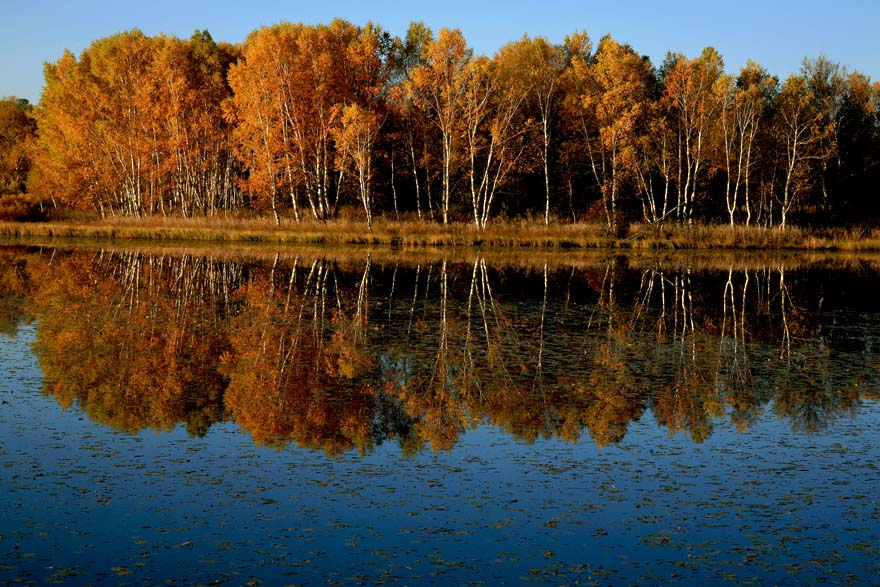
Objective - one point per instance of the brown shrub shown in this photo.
(21, 208)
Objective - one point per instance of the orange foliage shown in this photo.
(134, 127)
(127, 354)
(286, 384)
(17, 131)
(289, 89)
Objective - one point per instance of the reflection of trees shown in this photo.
(482, 359)
(343, 354)
(15, 286)
(715, 375)
(506, 361)
(432, 383)
(132, 338)
(691, 396)
(613, 397)
(736, 375)
(300, 369)
(812, 387)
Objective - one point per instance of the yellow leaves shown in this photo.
(608, 101)
(17, 133)
(615, 90)
(578, 47)
(289, 92)
(437, 85)
(356, 134)
(861, 93)
(133, 123)
(689, 86)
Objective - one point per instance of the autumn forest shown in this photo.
(313, 122)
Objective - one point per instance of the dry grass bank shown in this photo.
(521, 257)
(412, 234)
(337, 232)
(756, 237)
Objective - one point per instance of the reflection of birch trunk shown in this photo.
(291, 283)
(733, 346)
(689, 305)
(681, 320)
(412, 308)
(272, 275)
(496, 337)
(684, 311)
(292, 346)
(312, 296)
(680, 317)
(742, 327)
(191, 281)
(783, 303)
(320, 304)
(728, 301)
(130, 275)
(468, 363)
(442, 363)
(494, 333)
(646, 287)
(662, 320)
(391, 294)
(737, 322)
(539, 371)
(428, 286)
(360, 316)
(653, 279)
(486, 367)
(610, 389)
(602, 301)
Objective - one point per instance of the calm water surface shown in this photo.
(172, 418)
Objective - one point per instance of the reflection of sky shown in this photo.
(166, 506)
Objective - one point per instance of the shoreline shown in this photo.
(422, 234)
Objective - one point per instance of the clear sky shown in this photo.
(776, 33)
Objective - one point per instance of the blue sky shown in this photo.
(776, 33)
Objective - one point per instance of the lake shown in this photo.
(245, 417)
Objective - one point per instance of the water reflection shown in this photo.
(348, 352)
(134, 339)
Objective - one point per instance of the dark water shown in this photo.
(326, 418)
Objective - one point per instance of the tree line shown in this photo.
(301, 120)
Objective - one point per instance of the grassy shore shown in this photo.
(412, 234)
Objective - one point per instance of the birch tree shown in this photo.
(804, 132)
(290, 88)
(493, 130)
(438, 88)
(743, 104)
(655, 165)
(539, 66)
(690, 97)
(262, 131)
(355, 139)
(94, 148)
(192, 149)
(613, 100)
(412, 125)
